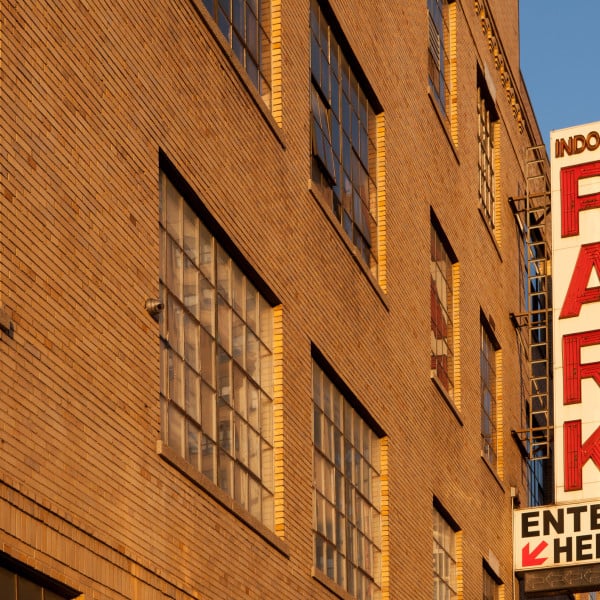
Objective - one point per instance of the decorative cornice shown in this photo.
(500, 62)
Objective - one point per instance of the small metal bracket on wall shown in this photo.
(6, 322)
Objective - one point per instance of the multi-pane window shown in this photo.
(246, 25)
(442, 306)
(344, 137)
(486, 117)
(347, 503)
(444, 558)
(439, 49)
(490, 586)
(489, 396)
(216, 360)
(17, 587)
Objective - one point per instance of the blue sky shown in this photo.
(560, 61)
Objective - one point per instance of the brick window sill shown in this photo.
(224, 499)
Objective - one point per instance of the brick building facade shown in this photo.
(257, 265)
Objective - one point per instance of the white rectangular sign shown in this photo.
(575, 160)
(558, 535)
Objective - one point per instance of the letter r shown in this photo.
(573, 370)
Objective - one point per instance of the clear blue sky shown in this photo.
(560, 61)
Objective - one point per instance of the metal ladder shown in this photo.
(536, 322)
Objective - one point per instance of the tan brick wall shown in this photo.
(91, 92)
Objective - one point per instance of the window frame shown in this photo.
(490, 584)
(445, 555)
(239, 469)
(49, 588)
(489, 378)
(335, 565)
(441, 15)
(252, 50)
(444, 307)
(346, 137)
(487, 146)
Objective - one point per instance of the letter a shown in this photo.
(578, 292)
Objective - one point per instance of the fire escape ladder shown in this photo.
(539, 312)
(534, 325)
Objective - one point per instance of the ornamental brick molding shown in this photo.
(501, 64)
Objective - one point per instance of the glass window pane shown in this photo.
(225, 415)
(349, 521)
(254, 452)
(209, 459)
(238, 290)
(253, 406)
(192, 449)
(223, 273)
(207, 262)
(328, 67)
(241, 440)
(238, 340)
(207, 305)
(251, 307)
(214, 360)
(224, 366)
(266, 323)
(27, 590)
(224, 324)
(209, 411)
(207, 357)
(254, 498)
(174, 266)
(252, 356)
(7, 583)
(176, 429)
(174, 215)
(225, 473)
(267, 508)
(190, 233)
(266, 412)
(190, 286)
(192, 342)
(192, 394)
(176, 379)
(239, 392)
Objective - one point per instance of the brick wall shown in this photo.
(92, 92)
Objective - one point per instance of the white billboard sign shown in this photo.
(556, 536)
(576, 311)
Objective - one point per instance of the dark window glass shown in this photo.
(342, 115)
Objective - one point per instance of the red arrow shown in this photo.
(530, 559)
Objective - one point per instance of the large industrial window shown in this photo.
(441, 36)
(246, 25)
(486, 136)
(490, 585)
(16, 586)
(444, 558)
(216, 360)
(489, 395)
(347, 502)
(344, 136)
(442, 311)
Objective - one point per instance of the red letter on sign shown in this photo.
(573, 370)
(578, 292)
(571, 202)
(577, 454)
